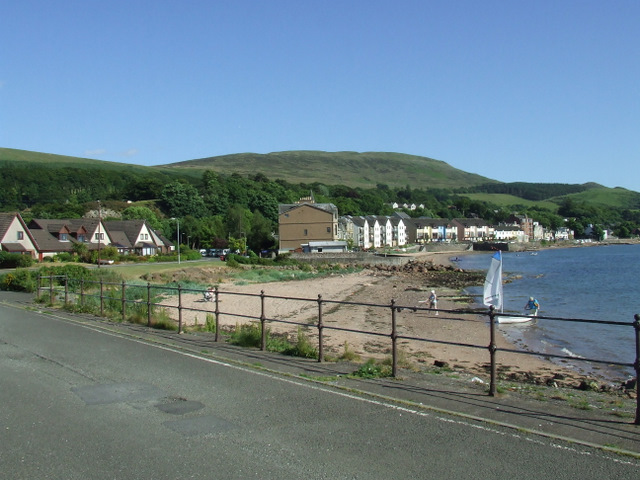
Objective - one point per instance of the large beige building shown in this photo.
(301, 223)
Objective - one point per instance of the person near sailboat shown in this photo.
(493, 293)
(532, 305)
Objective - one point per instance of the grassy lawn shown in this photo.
(135, 271)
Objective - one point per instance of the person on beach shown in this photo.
(433, 301)
(208, 295)
(532, 305)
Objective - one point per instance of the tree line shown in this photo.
(215, 209)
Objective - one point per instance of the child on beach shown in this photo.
(433, 301)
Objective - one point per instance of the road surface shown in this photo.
(82, 403)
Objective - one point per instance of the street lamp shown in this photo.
(178, 235)
(99, 232)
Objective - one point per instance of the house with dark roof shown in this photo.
(130, 237)
(54, 236)
(15, 236)
(136, 237)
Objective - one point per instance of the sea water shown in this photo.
(594, 283)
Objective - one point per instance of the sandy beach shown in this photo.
(376, 289)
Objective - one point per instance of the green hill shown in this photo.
(607, 197)
(9, 156)
(353, 169)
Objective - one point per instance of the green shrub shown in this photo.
(302, 348)
(210, 323)
(231, 262)
(161, 320)
(348, 354)
(20, 280)
(371, 369)
(65, 257)
(15, 260)
(247, 335)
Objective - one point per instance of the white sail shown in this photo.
(493, 282)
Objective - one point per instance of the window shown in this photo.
(306, 232)
(63, 237)
(21, 235)
(81, 238)
(100, 236)
(328, 229)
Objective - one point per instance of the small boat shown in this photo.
(509, 319)
(493, 294)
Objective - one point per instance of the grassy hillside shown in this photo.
(351, 169)
(608, 197)
(11, 155)
(354, 169)
(505, 200)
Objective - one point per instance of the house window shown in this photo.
(328, 229)
(20, 235)
(63, 237)
(306, 232)
(82, 238)
(99, 236)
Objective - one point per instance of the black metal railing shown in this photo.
(150, 297)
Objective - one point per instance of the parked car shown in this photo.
(203, 252)
(105, 261)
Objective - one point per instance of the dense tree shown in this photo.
(181, 199)
(221, 205)
(142, 213)
(261, 236)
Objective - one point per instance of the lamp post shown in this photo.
(99, 232)
(178, 236)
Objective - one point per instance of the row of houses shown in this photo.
(309, 226)
(43, 238)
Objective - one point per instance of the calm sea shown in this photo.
(596, 283)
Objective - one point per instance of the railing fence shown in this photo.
(62, 291)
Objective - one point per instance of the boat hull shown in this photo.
(506, 319)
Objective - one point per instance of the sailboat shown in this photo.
(493, 294)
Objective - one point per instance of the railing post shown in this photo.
(148, 304)
(39, 279)
(320, 328)
(492, 350)
(101, 297)
(179, 309)
(217, 313)
(636, 326)
(124, 302)
(394, 340)
(51, 289)
(263, 324)
(66, 290)
(82, 291)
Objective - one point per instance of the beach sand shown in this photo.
(240, 304)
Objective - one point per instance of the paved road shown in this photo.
(82, 403)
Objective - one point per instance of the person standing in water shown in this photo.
(532, 305)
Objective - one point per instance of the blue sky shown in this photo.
(536, 91)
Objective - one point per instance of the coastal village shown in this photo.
(305, 226)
